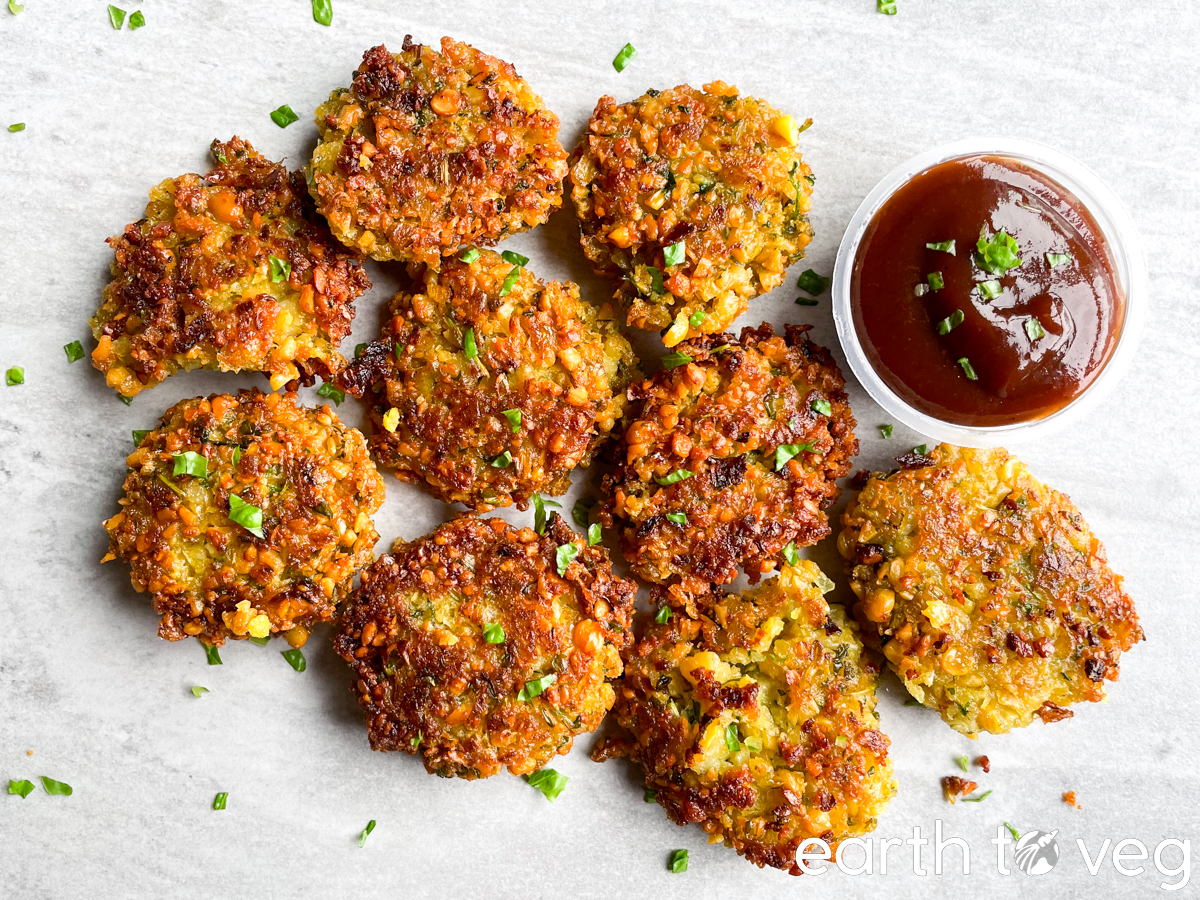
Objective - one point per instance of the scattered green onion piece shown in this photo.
(74, 351)
(399, 352)
(515, 258)
(753, 743)
(220, 800)
(656, 280)
(677, 517)
(322, 11)
(16, 126)
(942, 246)
(332, 393)
(358, 350)
(674, 478)
(812, 283)
(284, 116)
(510, 281)
(1034, 329)
(124, 399)
(365, 833)
(245, 514)
(503, 461)
(697, 318)
(550, 782)
(493, 633)
(649, 796)
(55, 788)
(470, 351)
(963, 763)
(990, 289)
(951, 322)
(663, 615)
(139, 435)
(21, 788)
(1058, 259)
(281, 269)
(822, 407)
(581, 510)
(116, 17)
(539, 512)
(563, 556)
(469, 255)
(295, 659)
(137, 20)
(197, 691)
(15, 8)
(978, 799)
(968, 369)
(14, 376)
(936, 282)
(213, 654)
(732, 744)
(535, 687)
(811, 179)
(1016, 835)
(675, 254)
(805, 301)
(790, 555)
(594, 535)
(189, 462)
(679, 861)
(514, 419)
(887, 7)
(674, 360)
(624, 57)
(998, 253)
(786, 452)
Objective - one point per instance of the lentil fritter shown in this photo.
(232, 271)
(757, 719)
(712, 170)
(730, 456)
(489, 386)
(483, 646)
(430, 152)
(991, 599)
(246, 516)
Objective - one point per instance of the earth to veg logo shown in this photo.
(1036, 852)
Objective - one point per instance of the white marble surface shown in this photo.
(104, 705)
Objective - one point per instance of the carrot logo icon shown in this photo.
(1036, 852)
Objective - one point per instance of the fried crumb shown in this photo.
(954, 787)
(984, 763)
(1069, 797)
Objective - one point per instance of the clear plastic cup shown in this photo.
(1129, 268)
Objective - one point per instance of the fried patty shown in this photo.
(483, 646)
(729, 456)
(232, 271)
(246, 516)
(991, 599)
(757, 719)
(713, 170)
(489, 386)
(430, 152)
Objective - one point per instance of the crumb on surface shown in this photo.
(984, 763)
(954, 787)
(1069, 797)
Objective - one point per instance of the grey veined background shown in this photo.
(104, 705)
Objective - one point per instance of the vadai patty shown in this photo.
(246, 516)
(992, 600)
(231, 271)
(730, 456)
(712, 170)
(489, 386)
(483, 646)
(429, 152)
(757, 719)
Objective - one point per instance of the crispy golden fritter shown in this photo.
(231, 271)
(483, 646)
(757, 719)
(430, 152)
(991, 599)
(730, 457)
(246, 516)
(489, 386)
(717, 171)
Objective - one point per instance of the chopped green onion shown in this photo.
(942, 246)
(812, 283)
(674, 360)
(514, 419)
(1058, 259)
(887, 7)
(281, 269)
(550, 782)
(329, 391)
(74, 351)
(656, 280)
(581, 510)
(594, 535)
(14, 376)
(998, 253)
(365, 833)
(963, 763)
(822, 407)
(16, 126)
(536, 686)
(470, 351)
(220, 800)
(1034, 329)
(885, 431)
(116, 17)
(295, 659)
(679, 861)
(189, 462)
(649, 796)
(785, 452)
(753, 743)
(951, 322)
(246, 514)
(139, 435)
(805, 301)
(123, 398)
(358, 350)
(322, 11)
(978, 799)
(968, 369)
(22, 788)
(936, 282)
(790, 555)
(510, 281)
(811, 179)
(674, 478)
(284, 116)
(213, 654)
(136, 21)
(677, 517)
(55, 788)
(503, 461)
(539, 512)
(399, 352)
(197, 691)
(731, 738)
(697, 318)
(15, 8)
(675, 254)
(990, 289)
(515, 258)
(563, 556)
(1016, 835)
(624, 58)
(469, 255)
(493, 633)
(663, 615)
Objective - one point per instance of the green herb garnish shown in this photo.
(116, 17)
(14, 376)
(677, 517)
(281, 269)
(515, 258)
(963, 763)
(732, 744)
(16, 126)
(503, 461)
(510, 281)
(790, 555)
(213, 654)
(189, 462)
(822, 407)
(330, 392)
(936, 282)
(322, 11)
(220, 800)
(697, 318)
(358, 350)
(123, 398)
(260, 642)
(246, 514)
(990, 289)
(1016, 835)
(55, 788)
(514, 419)
(550, 782)
(674, 478)
(136, 21)
(674, 360)
(1058, 259)
(675, 254)
(785, 452)
(74, 351)
(885, 431)
(1034, 329)
(920, 449)
(998, 253)
(365, 833)
(15, 8)
(563, 556)
(679, 861)
(295, 659)
(978, 799)
(198, 691)
(21, 788)
(469, 255)
(470, 351)
(581, 509)
(594, 535)
(624, 57)
(663, 615)
(493, 633)
(539, 512)
(951, 322)
(942, 247)
(812, 283)
(649, 796)
(284, 116)
(887, 7)
(536, 686)
(968, 369)
(805, 301)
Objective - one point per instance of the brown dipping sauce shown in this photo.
(1025, 370)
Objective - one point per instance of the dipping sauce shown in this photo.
(1011, 321)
